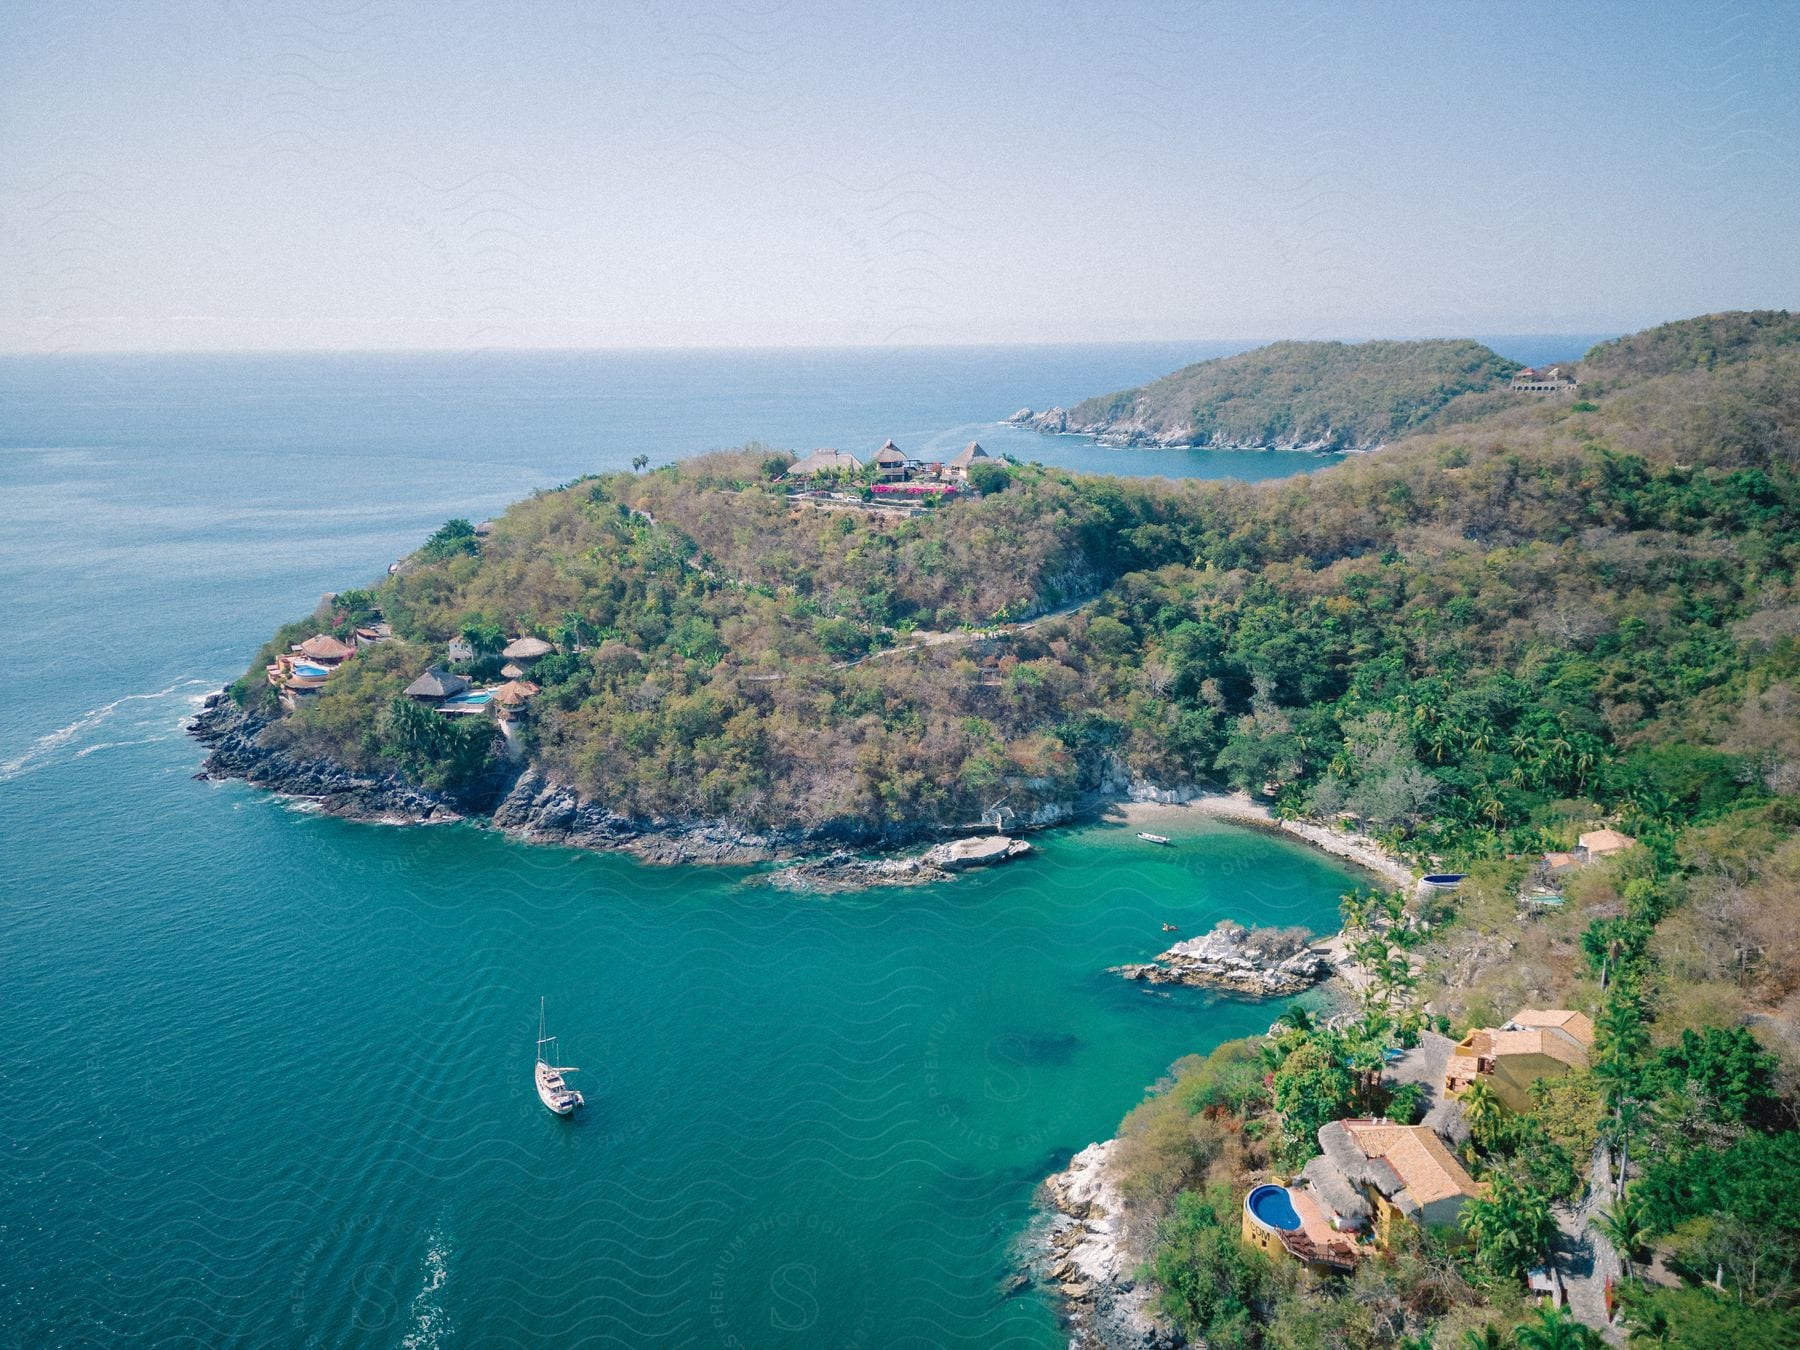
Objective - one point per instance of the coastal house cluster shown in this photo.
(890, 470)
(1544, 380)
(302, 671)
(1374, 1176)
(455, 695)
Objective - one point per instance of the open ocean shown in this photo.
(265, 1077)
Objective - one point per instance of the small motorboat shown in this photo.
(1149, 838)
(1170, 928)
(552, 1088)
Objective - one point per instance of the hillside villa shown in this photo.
(958, 467)
(890, 464)
(1536, 1043)
(1593, 846)
(1370, 1176)
(1549, 380)
(301, 671)
(524, 651)
(436, 685)
(1597, 844)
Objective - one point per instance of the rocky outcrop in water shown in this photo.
(842, 870)
(1090, 1256)
(1264, 962)
(1051, 423)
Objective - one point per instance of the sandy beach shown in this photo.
(1239, 807)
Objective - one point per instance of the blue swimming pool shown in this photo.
(474, 700)
(310, 672)
(1271, 1205)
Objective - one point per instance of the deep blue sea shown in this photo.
(265, 1076)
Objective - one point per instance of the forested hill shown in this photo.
(1564, 611)
(1326, 395)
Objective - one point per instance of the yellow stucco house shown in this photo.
(1536, 1043)
(1376, 1174)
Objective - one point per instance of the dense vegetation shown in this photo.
(1476, 643)
(1330, 394)
(1698, 1184)
(1537, 618)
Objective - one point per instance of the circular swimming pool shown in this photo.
(1272, 1207)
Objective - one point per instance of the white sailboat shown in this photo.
(552, 1088)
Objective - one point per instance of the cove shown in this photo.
(812, 1120)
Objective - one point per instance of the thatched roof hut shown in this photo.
(823, 462)
(512, 670)
(324, 647)
(515, 692)
(436, 684)
(1335, 1190)
(527, 649)
(968, 455)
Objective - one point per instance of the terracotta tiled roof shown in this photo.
(1421, 1163)
(1577, 1024)
(1601, 842)
(1549, 1041)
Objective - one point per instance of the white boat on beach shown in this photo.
(1149, 838)
(552, 1088)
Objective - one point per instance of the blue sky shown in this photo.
(372, 173)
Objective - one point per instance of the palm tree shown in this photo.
(1651, 1328)
(1488, 1338)
(638, 462)
(1625, 1226)
(1297, 1018)
(1481, 1107)
(1616, 1134)
(1556, 1330)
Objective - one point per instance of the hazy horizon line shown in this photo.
(1599, 331)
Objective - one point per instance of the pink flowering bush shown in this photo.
(915, 489)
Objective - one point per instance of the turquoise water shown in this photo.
(266, 1076)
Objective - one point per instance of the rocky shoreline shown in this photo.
(1089, 1256)
(1260, 962)
(1118, 435)
(529, 806)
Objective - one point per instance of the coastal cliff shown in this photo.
(526, 804)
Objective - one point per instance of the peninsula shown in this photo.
(1297, 396)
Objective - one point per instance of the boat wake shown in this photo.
(428, 1319)
(45, 749)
